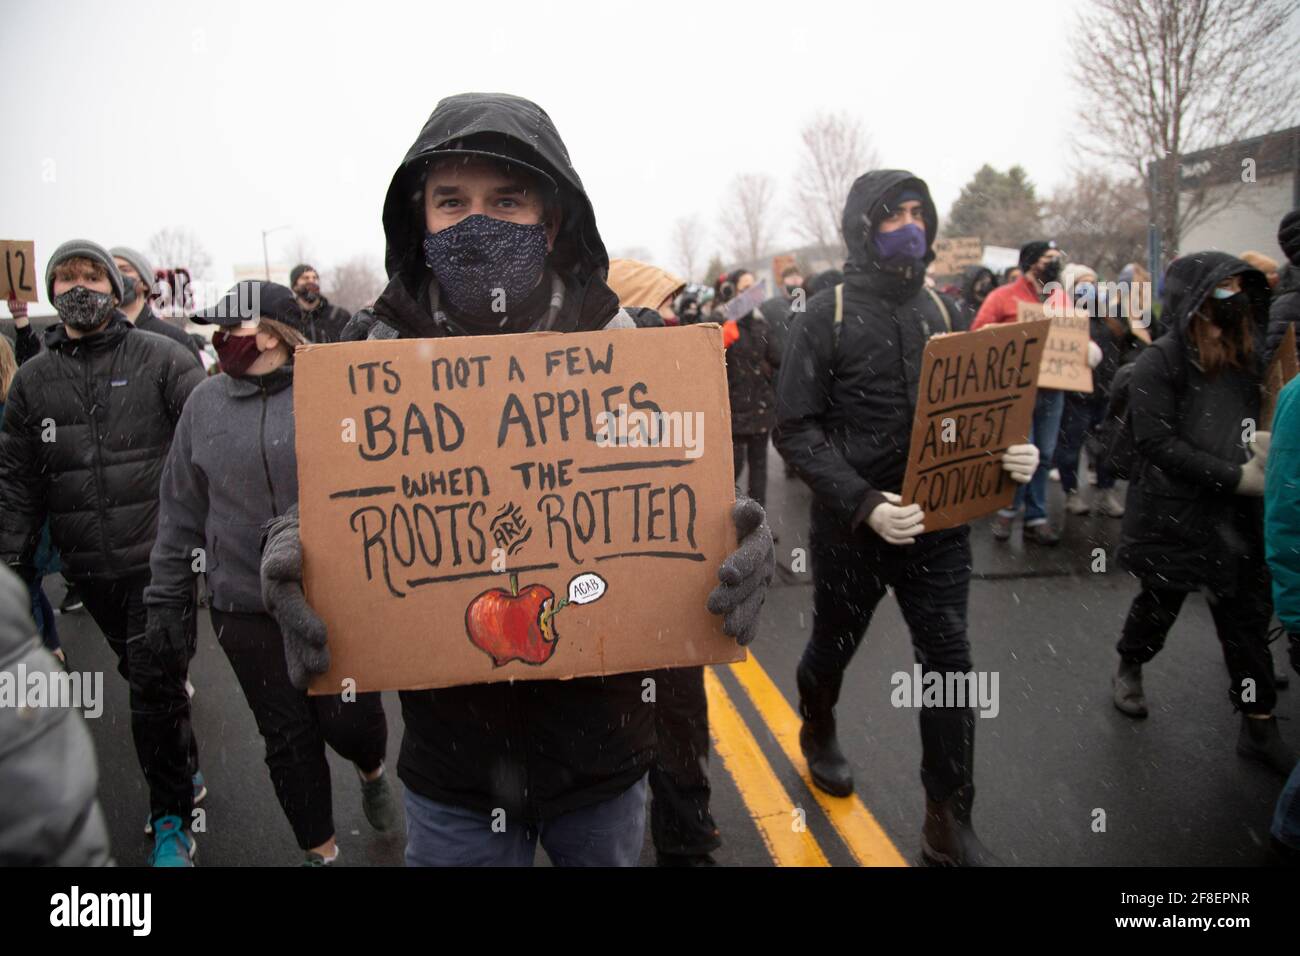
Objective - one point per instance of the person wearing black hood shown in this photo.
(1194, 518)
(487, 210)
(1285, 307)
(324, 322)
(846, 398)
(978, 282)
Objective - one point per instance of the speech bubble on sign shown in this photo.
(585, 588)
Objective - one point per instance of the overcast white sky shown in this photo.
(120, 119)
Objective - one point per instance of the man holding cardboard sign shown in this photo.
(846, 402)
(489, 231)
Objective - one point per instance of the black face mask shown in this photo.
(128, 292)
(309, 292)
(1052, 271)
(1230, 312)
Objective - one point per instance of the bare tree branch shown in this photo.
(836, 151)
(688, 245)
(177, 248)
(746, 215)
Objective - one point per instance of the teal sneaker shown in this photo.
(200, 791)
(172, 846)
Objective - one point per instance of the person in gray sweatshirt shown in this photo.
(233, 468)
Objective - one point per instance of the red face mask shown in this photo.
(235, 352)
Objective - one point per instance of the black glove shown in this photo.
(746, 573)
(305, 652)
(167, 633)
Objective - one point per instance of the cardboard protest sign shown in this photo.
(975, 399)
(18, 270)
(515, 507)
(951, 256)
(747, 301)
(1281, 370)
(1065, 361)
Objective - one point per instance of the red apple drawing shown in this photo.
(518, 624)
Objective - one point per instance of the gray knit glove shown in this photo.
(746, 573)
(305, 652)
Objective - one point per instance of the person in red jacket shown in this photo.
(1040, 267)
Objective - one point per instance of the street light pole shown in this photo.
(266, 259)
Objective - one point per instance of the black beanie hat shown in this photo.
(1288, 236)
(1031, 252)
(297, 271)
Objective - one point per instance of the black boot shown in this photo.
(948, 767)
(1260, 740)
(826, 762)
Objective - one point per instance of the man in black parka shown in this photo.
(87, 428)
(486, 206)
(845, 403)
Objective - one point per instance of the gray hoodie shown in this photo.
(232, 468)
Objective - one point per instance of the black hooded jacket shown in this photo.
(845, 409)
(970, 303)
(1184, 526)
(108, 403)
(1285, 309)
(539, 748)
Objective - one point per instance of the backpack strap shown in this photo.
(839, 317)
(943, 309)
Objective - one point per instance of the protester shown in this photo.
(976, 285)
(325, 322)
(486, 202)
(846, 399)
(753, 356)
(137, 284)
(1282, 546)
(1285, 307)
(1194, 519)
(1010, 274)
(50, 814)
(687, 306)
(1135, 304)
(645, 291)
(109, 397)
(1265, 264)
(777, 308)
(1040, 264)
(232, 468)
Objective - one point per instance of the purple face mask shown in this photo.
(905, 243)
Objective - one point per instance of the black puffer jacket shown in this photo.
(752, 361)
(1184, 526)
(110, 401)
(540, 748)
(1284, 310)
(325, 323)
(844, 410)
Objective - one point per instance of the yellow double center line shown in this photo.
(777, 817)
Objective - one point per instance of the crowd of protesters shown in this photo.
(123, 456)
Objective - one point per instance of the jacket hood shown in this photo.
(973, 275)
(510, 127)
(640, 285)
(1190, 279)
(865, 208)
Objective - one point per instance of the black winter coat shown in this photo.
(752, 361)
(110, 401)
(541, 748)
(845, 409)
(1284, 310)
(325, 323)
(1184, 526)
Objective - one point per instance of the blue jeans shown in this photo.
(1048, 407)
(606, 834)
(1286, 818)
(1082, 414)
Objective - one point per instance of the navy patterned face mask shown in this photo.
(486, 266)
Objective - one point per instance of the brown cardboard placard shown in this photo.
(18, 270)
(1281, 370)
(1065, 360)
(975, 399)
(951, 256)
(456, 492)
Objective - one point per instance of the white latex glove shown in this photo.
(1252, 479)
(1094, 354)
(895, 523)
(1020, 462)
(1259, 445)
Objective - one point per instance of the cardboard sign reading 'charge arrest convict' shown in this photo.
(975, 398)
(1065, 360)
(514, 507)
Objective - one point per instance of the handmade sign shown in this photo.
(747, 301)
(951, 256)
(514, 507)
(1065, 361)
(1281, 370)
(975, 398)
(18, 270)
